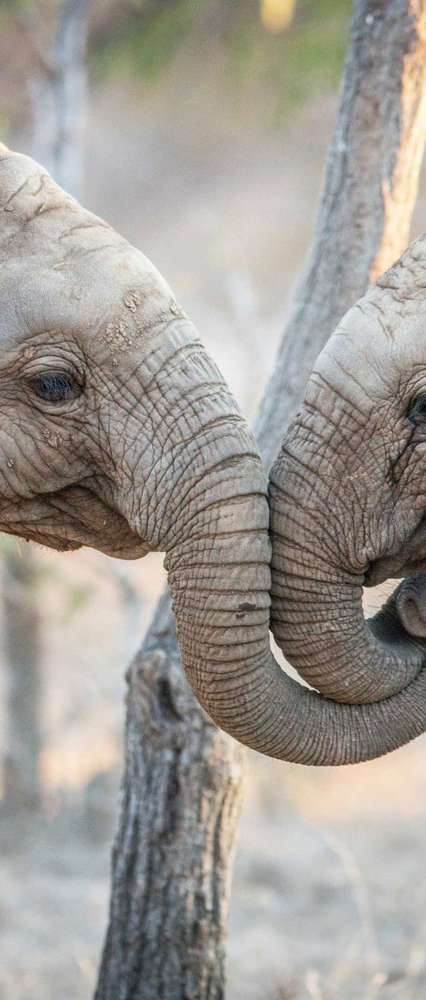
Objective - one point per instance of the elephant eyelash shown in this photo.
(56, 387)
(417, 410)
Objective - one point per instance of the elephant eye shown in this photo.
(417, 410)
(56, 387)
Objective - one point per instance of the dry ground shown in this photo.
(329, 892)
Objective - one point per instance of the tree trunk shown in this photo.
(181, 786)
(58, 110)
(22, 653)
(180, 807)
(59, 95)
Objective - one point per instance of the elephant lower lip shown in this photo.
(392, 569)
(48, 541)
(376, 574)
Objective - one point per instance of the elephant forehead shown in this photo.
(81, 291)
(375, 350)
(57, 259)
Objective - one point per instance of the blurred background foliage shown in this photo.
(288, 48)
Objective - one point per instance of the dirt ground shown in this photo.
(329, 891)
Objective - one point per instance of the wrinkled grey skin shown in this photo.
(348, 500)
(147, 450)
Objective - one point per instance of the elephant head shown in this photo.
(117, 431)
(348, 502)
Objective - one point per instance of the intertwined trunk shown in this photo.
(173, 853)
(317, 615)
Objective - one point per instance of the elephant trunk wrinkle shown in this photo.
(317, 616)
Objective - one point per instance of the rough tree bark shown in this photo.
(181, 801)
(181, 789)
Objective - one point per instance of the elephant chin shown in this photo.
(409, 561)
(44, 538)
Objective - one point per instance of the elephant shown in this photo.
(348, 500)
(118, 432)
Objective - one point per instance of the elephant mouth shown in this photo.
(68, 519)
(408, 561)
(403, 616)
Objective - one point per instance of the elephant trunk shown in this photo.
(217, 557)
(317, 615)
